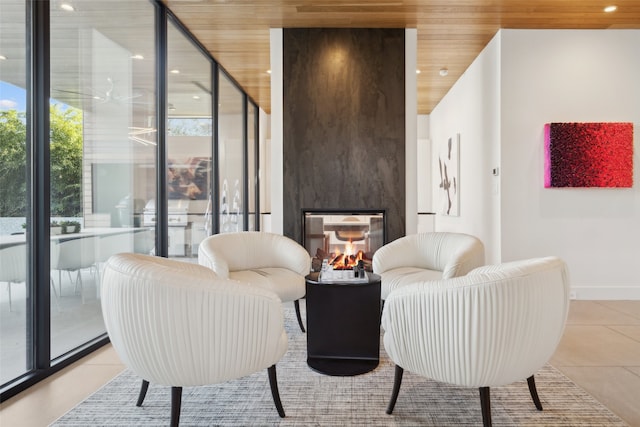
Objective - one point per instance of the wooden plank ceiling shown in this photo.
(451, 33)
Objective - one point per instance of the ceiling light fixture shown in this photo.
(268, 71)
(135, 131)
(175, 71)
(137, 56)
(418, 71)
(2, 57)
(196, 97)
(66, 6)
(443, 72)
(141, 140)
(611, 8)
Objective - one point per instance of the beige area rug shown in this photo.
(313, 399)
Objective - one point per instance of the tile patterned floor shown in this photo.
(600, 351)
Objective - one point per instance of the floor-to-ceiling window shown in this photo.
(99, 82)
(14, 292)
(231, 155)
(189, 144)
(103, 152)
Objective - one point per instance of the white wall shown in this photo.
(264, 173)
(411, 130)
(522, 80)
(471, 108)
(570, 76)
(424, 183)
(276, 220)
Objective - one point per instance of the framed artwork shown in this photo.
(449, 185)
(588, 155)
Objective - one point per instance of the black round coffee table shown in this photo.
(343, 325)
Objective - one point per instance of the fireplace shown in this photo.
(343, 237)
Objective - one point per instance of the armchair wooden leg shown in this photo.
(176, 402)
(273, 382)
(297, 305)
(485, 404)
(397, 380)
(143, 392)
(534, 392)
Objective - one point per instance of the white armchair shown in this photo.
(267, 260)
(13, 266)
(496, 325)
(75, 254)
(179, 324)
(13, 269)
(426, 256)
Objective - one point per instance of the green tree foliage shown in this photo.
(66, 162)
(13, 134)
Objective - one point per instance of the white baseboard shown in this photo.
(605, 292)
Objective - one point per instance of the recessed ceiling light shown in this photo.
(611, 8)
(268, 71)
(443, 72)
(137, 56)
(2, 57)
(196, 97)
(67, 7)
(175, 71)
(418, 71)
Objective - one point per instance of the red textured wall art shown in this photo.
(588, 155)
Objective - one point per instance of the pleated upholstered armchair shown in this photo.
(497, 325)
(178, 324)
(426, 256)
(266, 260)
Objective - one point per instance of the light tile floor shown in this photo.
(600, 351)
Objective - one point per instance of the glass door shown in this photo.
(103, 153)
(189, 145)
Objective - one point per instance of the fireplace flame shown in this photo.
(348, 260)
(348, 248)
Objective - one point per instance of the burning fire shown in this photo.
(348, 260)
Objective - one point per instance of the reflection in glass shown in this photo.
(189, 145)
(231, 156)
(14, 205)
(252, 176)
(103, 145)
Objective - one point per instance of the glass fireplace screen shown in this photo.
(343, 237)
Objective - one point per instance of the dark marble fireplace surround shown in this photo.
(344, 123)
